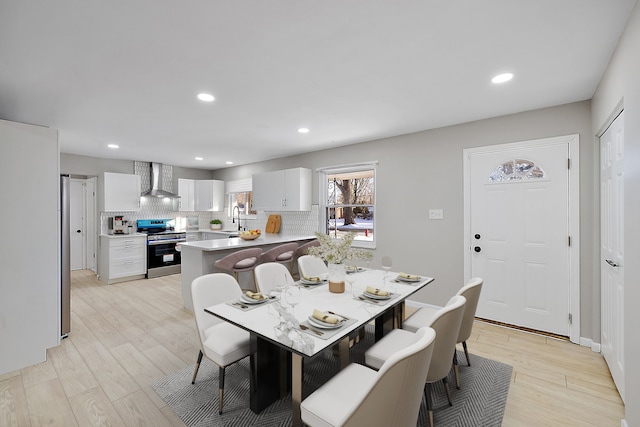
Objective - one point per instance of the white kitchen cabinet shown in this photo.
(120, 192)
(209, 195)
(186, 191)
(122, 258)
(284, 190)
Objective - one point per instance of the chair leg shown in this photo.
(427, 392)
(455, 369)
(445, 382)
(220, 389)
(195, 372)
(466, 353)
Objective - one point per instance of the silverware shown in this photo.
(315, 331)
(344, 317)
(240, 305)
(367, 300)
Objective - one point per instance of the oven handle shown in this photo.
(161, 242)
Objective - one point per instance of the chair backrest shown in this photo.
(446, 322)
(302, 249)
(230, 262)
(271, 275)
(208, 290)
(282, 253)
(471, 292)
(312, 266)
(394, 398)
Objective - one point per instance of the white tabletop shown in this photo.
(262, 320)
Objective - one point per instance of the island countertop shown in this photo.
(238, 243)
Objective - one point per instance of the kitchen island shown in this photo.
(198, 258)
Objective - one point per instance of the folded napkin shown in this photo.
(256, 295)
(375, 291)
(311, 279)
(327, 318)
(408, 276)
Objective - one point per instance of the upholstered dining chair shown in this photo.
(221, 342)
(423, 316)
(242, 260)
(446, 323)
(302, 250)
(271, 275)
(360, 396)
(311, 266)
(284, 254)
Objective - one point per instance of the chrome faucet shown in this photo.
(233, 215)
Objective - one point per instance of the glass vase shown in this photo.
(337, 273)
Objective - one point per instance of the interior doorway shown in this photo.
(83, 220)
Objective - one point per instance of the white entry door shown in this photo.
(612, 249)
(77, 224)
(518, 213)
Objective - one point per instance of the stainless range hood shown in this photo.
(157, 189)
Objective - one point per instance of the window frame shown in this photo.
(240, 186)
(323, 196)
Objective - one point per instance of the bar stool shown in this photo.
(283, 254)
(243, 260)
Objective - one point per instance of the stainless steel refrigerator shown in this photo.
(65, 258)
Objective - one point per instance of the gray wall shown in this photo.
(423, 171)
(621, 83)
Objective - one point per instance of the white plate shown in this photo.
(407, 279)
(253, 301)
(323, 325)
(373, 296)
(311, 282)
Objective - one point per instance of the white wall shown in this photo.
(621, 82)
(423, 170)
(29, 254)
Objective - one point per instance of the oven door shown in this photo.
(162, 254)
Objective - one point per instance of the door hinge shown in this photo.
(570, 319)
(568, 163)
(569, 240)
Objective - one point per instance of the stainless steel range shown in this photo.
(163, 252)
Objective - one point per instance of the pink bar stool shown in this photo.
(242, 260)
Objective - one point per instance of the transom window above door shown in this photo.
(516, 170)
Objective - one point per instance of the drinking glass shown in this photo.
(350, 279)
(293, 297)
(387, 263)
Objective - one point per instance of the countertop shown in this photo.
(123, 236)
(236, 242)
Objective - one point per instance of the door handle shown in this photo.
(78, 231)
(477, 249)
(611, 263)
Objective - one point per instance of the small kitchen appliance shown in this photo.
(116, 225)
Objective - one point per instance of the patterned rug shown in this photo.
(479, 402)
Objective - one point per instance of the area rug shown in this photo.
(479, 402)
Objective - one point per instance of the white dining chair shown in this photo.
(360, 396)
(271, 275)
(221, 342)
(312, 266)
(446, 323)
(423, 316)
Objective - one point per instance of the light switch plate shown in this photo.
(436, 214)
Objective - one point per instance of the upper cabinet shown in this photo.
(209, 195)
(186, 191)
(120, 192)
(284, 190)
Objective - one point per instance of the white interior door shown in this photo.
(77, 224)
(519, 233)
(612, 249)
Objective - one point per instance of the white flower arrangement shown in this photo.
(336, 251)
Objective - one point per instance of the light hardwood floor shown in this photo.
(126, 335)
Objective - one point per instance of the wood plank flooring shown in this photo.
(128, 334)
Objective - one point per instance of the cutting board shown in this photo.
(273, 224)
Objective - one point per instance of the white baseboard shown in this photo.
(623, 423)
(588, 342)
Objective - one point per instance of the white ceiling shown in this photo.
(127, 72)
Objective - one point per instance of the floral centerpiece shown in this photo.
(335, 252)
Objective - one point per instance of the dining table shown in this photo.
(284, 333)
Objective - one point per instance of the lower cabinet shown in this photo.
(122, 258)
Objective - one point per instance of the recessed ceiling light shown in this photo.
(199, 158)
(303, 130)
(229, 162)
(207, 97)
(502, 78)
(114, 146)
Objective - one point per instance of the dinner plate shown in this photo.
(249, 300)
(311, 282)
(324, 325)
(409, 279)
(374, 296)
